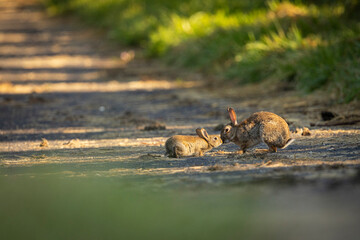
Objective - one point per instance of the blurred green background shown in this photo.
(305, 44)
(42, 206)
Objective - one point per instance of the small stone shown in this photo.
(327, 115)
(298, 131)
(215, 167)
(44, 143)
(154, 126)
(305, 132)
(302, 131)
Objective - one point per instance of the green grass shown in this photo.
(312, 43)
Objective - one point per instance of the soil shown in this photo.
(72, 98)
(74, 105)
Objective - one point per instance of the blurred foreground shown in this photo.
(112, 208)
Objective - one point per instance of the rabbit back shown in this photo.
(264, 127)
(179, 145)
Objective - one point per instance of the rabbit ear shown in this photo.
(201, 132)
(232, 115)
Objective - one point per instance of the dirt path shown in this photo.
(73, 106)
(101, 110)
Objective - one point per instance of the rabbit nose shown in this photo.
(224, 140)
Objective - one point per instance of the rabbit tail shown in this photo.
(290, 141)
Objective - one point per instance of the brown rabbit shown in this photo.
(180, 145)
(260, 127)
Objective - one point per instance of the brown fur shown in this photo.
(180, 145)
(260, 127)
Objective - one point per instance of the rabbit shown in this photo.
(260, 127)
(180, 145)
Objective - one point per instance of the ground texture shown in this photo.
(74, 104)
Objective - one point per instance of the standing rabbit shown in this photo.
(180, 145)
(260, 127)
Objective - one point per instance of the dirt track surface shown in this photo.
(77, 106)
(69, 98)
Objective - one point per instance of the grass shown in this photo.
(313, 44)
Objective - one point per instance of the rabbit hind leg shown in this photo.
(179, 151)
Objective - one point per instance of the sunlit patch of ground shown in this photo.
(60, 61)
(112, 86)
(145, 156)
(84, 143)
(324, 133)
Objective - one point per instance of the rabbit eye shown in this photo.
(215, 138)
(227, 130)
